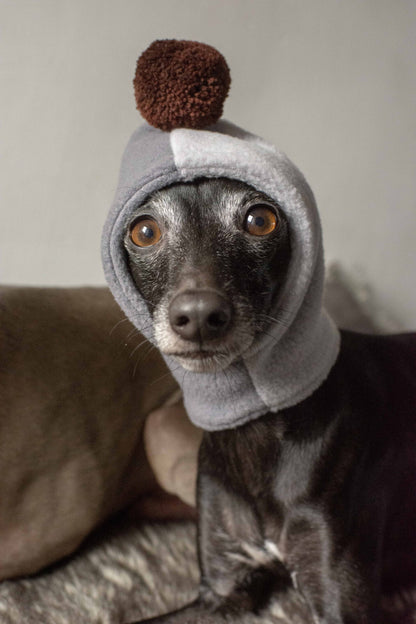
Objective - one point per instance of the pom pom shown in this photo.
(181, 84)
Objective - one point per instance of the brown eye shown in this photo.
(145, 232)
(261, 220)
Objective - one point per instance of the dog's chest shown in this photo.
(295, 470)
(260, 484)
(259, 462)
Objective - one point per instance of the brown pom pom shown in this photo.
(181, 84)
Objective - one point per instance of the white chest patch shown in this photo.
(255, 555)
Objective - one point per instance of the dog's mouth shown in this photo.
(203, 360)
(196, 355)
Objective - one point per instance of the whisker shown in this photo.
(123, 320)
(147, 301)
(169, 372)
(138, 331)
(274, 338)
(277, 321)
(141, 359)
(138, 347)
(132, 332)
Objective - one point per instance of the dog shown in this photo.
(79, 389)
(318, 497)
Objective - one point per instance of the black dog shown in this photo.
(319, 497)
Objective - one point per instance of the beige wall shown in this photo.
(331, 82)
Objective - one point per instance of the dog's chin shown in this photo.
(204, 361)
(206, 357)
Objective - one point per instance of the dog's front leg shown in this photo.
(335, 583)
(238, 575)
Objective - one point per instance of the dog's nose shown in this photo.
(200, 315)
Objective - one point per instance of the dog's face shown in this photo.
(207, 257)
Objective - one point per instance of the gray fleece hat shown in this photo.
(291, 361)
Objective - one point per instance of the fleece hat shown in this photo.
(180, 87)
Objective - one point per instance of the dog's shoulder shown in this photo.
(388, 354)
(378, 374)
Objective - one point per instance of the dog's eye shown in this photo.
(261, 220)
(145, 232)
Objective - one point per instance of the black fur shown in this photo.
(320, 497)
(198, 238)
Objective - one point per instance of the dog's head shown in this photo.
(207, 257)
(196, 247)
